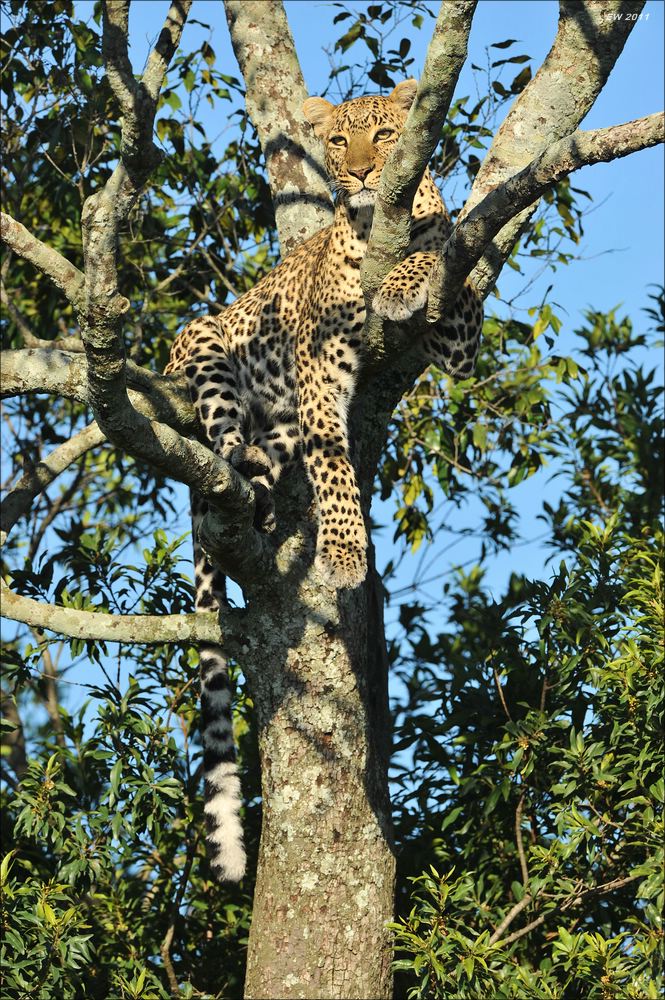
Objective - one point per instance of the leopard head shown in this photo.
(358, 137)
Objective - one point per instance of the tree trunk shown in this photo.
(326, 871)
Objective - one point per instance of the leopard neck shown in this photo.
(352, 226)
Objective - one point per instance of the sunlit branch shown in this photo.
(471, 236)
(589, 40)
(57, 268)
(135, 629)
(390, 235)
(264, 48)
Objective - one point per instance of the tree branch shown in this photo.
(589, 40)
(136, 629)
(143, 629)
(57, 268)
(474, 232)
(155, 442)
(19, 499)
(103, 212)
(520, 842)
(510, 916)
(119, 71)
(402, 174)
(158, 397)
(165, 47)
(29, 339)
(275, 92)
(596, 890)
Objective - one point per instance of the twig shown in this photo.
(165, 949)
(510, 916)
(520, 842)
(588, 893)
(499, 688)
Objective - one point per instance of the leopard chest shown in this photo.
(329, 337)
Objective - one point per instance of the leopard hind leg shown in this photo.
(224, 417)
(341, 551)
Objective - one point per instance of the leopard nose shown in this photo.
(361, 171)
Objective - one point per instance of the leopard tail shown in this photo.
(223, 795)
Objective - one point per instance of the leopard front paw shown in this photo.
(341, 565)
(398, 302)
(249, 460)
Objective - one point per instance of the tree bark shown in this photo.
(275, 92)
(326, 871)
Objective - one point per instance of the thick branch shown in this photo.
(589, 41)
(116, 54)
(154, 442)
(138, 99)
(144, 629)
(64, 374)
(402, 174)
(472, 235)
(241, 553)
(275, 91)
(149, 439)
(140, 629)
(64, 275)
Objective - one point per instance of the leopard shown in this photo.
(272, 379)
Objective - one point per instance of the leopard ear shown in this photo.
(404, 93)
(318, 113)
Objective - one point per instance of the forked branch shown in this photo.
(264, 48)
(474, 232)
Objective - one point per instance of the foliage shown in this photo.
(532, 723)
(104, 885)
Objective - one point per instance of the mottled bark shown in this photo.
(325, 880)
(275, 91)
(589, 40)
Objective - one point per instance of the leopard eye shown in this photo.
(384, 133)
(337, 140)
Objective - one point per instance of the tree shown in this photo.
(315, 660)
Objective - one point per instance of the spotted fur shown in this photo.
(273, 377)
